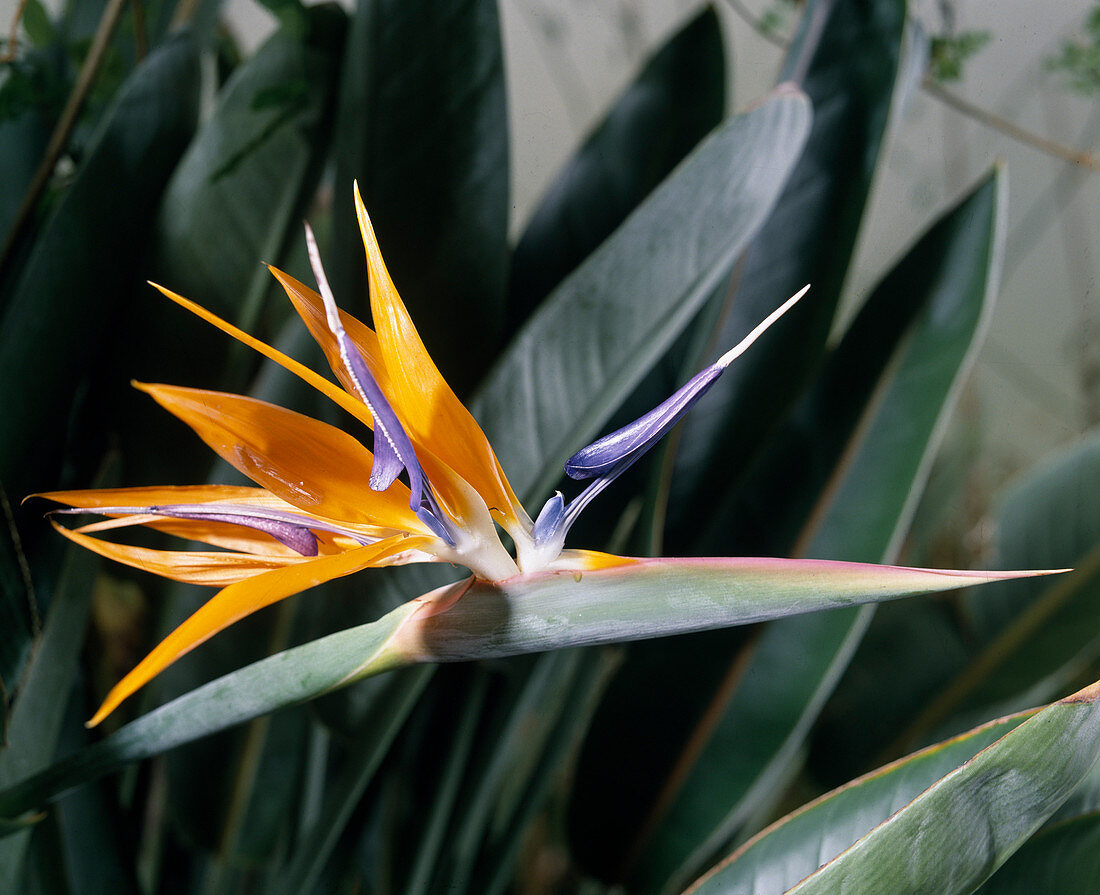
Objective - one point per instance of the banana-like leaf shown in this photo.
(32, 731)
(604, 327)
(236, 198)
(672, 104)
(87, 257)
(952, 836)
(477, 620)
(915, 340)
(423, 127)
(1063, 858)
(845, 56)
(237, 194)
(795, 846)
(1032, 641)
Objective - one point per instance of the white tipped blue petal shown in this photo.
(393, 451)
(549, 520)
(634, 439)
(609, 457)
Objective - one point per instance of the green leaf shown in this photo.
(845, 57)
(237, 199)
(911, 346)
(1064, 858)
(606, 325)
(672, 104)
(371, 743)
(423, 127)
(87, 258)
(1031, 642)
(533, 613)
(272, 683)
(795, 846)
(956, 833)
(35, 723)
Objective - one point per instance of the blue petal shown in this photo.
(613, 453)
(634, 439)
(393, 451)
(550, 518)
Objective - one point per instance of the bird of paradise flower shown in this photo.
(325, 506)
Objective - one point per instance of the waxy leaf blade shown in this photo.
(550, 610)
(1063, 858)
(795, 846)
(423, 128)
(923, 325)
(845, 57)
(605, 326)
(66, 303)
(956, 833)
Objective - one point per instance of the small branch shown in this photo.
(141, 39)
(750, 18)
(1011, 129)
(65, 124)
(13, 36)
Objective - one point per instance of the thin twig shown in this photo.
(65, 124)
(13, 35)
(1010, 128)
(938, 91)
(141, 39)
(757, 24)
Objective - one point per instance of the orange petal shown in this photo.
(191, 566)
(142, 497)
(337, 395)
(311, 309)
(451, 488)
(241, 599)
(431, 413)
(312, 465)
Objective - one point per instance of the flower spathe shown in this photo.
(324, 505)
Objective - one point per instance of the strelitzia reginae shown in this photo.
(325, 506)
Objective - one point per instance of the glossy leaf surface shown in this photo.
(648, 598)
(603, 328)
(54, 330)
(423, 128)
(943, 289)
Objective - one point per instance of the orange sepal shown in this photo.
(328, 389)
(431, 413)
(91, 498)
(243, 598)
(311, 309)
(314, 466)
(213, 569)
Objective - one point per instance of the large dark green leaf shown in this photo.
(1030, 643)
(1063, 859)
(240, 190)
(911, 345)
(86, 260)
(423, 127)
(791, 849)
(524, 614)
(606, 325)
(958, 831)
(236, 199)
(32, 732)
(672, 104)
(845, 57)
(938, 822)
